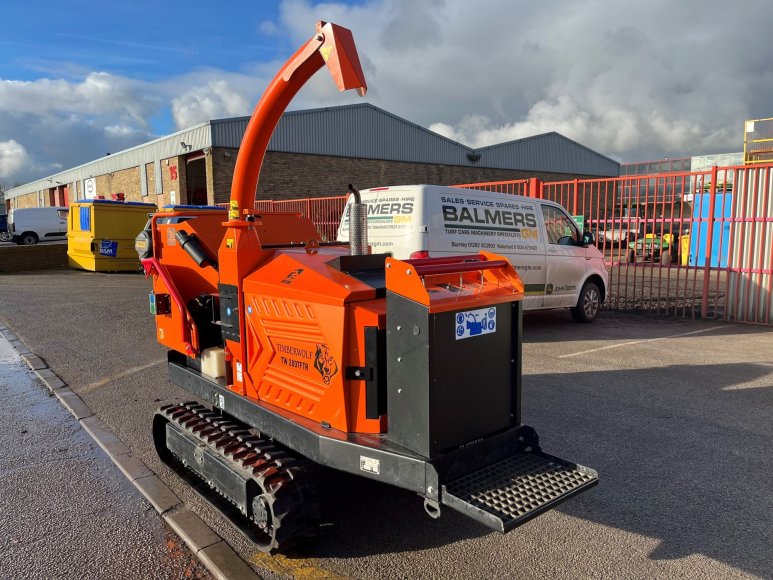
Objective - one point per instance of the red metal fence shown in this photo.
(689, 244)
(683, 244)
(325, 212)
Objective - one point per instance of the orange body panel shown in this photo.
(188, 279)
(453, 289)
(298, 325)
(301, 320)
(283, 227)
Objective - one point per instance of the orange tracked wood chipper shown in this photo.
(403, 371)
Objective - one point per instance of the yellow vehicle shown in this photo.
(100, 234)
(656, 243)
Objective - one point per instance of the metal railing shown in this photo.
(688, 244)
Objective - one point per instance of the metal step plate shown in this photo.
(508, 493)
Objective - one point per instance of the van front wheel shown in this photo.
(588, 304)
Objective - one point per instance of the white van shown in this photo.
(31, 225)
(559, 268)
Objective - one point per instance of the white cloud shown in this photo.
(61, 123)
(445, 130)
(631, 80)
(213, 100)
(13, 157)
(97, 94)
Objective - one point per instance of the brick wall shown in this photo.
(220, 173)
(291, 176)
(38, 257)
(28, 200)
(126, 181)
(294, 175)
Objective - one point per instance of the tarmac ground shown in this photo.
(675, 414)
(67, 511)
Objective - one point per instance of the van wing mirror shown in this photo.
(588, 239)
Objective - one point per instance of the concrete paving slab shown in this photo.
(50, 379)
(192, 529)
(73, 403)
(132, 467)
(104, 436)
(34, 361)
(157, 493)
(224, 563)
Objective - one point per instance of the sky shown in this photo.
(632, 80)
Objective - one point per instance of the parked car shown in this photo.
(617, 232)
(30, 225)
(4, 235)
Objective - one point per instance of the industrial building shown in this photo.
(313, 153)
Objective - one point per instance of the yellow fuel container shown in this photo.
(100, 234)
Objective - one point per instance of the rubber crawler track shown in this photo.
(280, 477)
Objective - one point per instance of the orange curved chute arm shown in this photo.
(332, 45)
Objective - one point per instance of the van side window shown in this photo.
(62, 213)
(560, 228)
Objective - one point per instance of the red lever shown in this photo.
(445, 260)
(459, 267)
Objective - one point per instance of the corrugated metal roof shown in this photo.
(549, 152)
(366, 131)
(197, 138)
(361, 130)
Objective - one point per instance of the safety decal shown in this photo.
(370, 464)
(325, 363)
(476, 322)
(534, 289)
(108, 248)
(292, 276)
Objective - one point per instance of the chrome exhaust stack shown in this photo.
(358, 225)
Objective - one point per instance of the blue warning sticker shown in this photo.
(476, 322)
